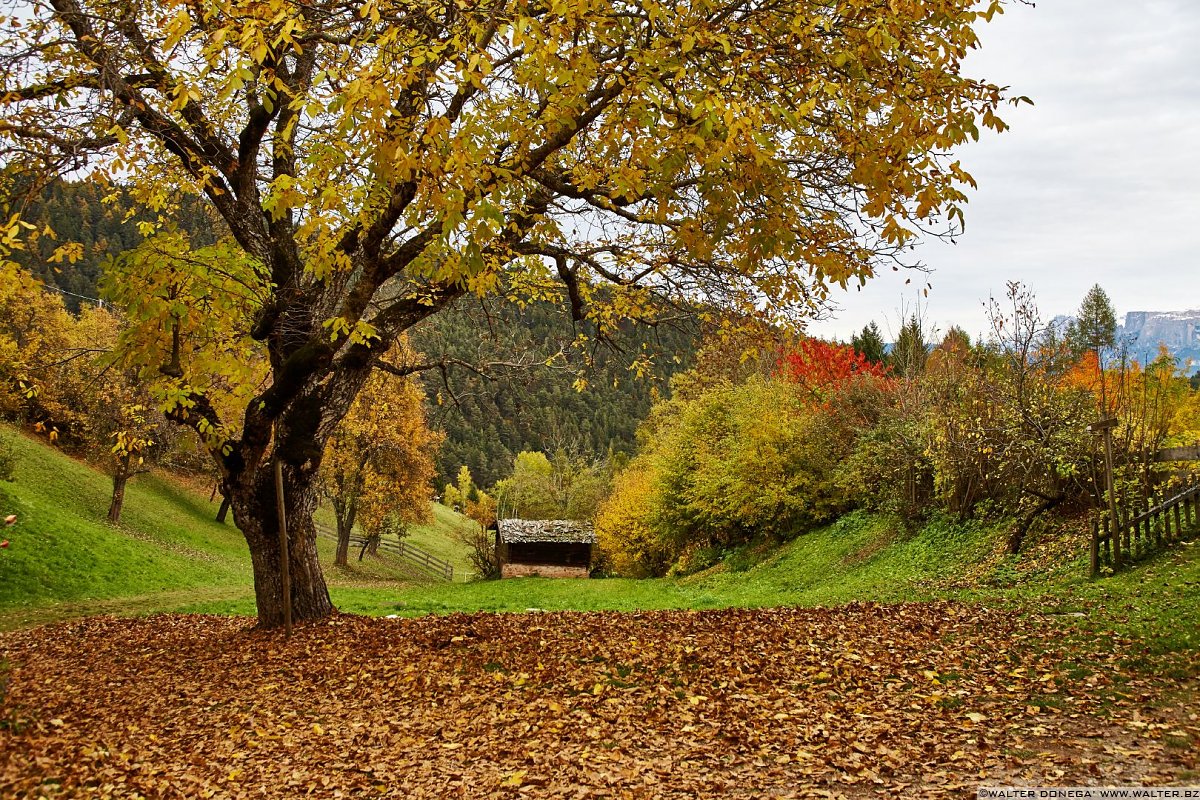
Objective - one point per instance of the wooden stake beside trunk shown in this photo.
(284, 556)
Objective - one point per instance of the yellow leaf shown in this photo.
(516, 779)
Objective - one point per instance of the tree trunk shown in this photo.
(254, 512)
(120, 478)
(223, 511)
(344, 513)
(1017, 538)
(341, 558)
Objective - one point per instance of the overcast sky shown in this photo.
(1098, 182)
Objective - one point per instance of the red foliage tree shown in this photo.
(821, 367)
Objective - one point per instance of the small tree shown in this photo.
(820, 368)
(35, 331)
(565, 487)
(1037, 423)
(481, 545)
(1092, 333)
(129, 452)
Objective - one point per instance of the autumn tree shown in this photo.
(34, 333)
(1035, 429)
(57, 371)
(378, 464)
(480, 542)
(1095, 325)
(101, 408)
(372, 162)
(819, 367)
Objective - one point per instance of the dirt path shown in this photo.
(859, 701)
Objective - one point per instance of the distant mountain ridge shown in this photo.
(1145, 331)
(1178, 331)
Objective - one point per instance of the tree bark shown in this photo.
(223, 511)
(253, 504)
(120, 478)
(341, 558)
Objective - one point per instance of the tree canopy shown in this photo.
(373, 161)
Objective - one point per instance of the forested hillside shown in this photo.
(78, 213)
(588, 404)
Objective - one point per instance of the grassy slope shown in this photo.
(439, 539)
(64, 551)
(168, 552)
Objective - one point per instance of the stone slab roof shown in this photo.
(568, 531)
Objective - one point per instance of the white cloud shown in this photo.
(1098, 182)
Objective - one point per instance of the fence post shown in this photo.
(1095, 550)
(1191, 506)
(1128, 537)
(1140, 507)
(1147, 532)
(1160, 519)
(1167, 508)
(1108, 540)
(1137, 539)
(1175, 512)
(1121, 536)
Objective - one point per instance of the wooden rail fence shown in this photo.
(411, 554)
(1143, 526)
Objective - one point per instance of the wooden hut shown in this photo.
(552, 548)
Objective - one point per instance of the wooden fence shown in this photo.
(1143, 526)
(427, 562)
(411, 554)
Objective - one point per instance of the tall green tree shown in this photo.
(1095, 325)
(870, 343)
(374, 161)
(1091, 334)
